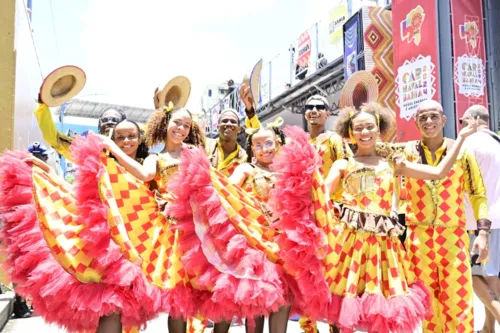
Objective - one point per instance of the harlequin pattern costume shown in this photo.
(437, 241)
(330, 147)
(60, 253)
(366, 270)
(197, 255)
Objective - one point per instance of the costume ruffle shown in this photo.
(56, 294)
(243, 282)
(372, 284)
(303, 221)
(357, 280)
(378, 224)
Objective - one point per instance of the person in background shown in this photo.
(230, 91)
(322, 62)
(61, 142)
(485, 145)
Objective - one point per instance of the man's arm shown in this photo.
(474, 185)
(55, 139)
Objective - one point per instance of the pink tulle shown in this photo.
(302, 243)
(56, 295)
(375, 313)
(231, 295)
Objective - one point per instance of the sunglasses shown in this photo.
(320, 107)
(110, 120)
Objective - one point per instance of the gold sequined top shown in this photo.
(259, 184)
(367, 198)
(368, 189)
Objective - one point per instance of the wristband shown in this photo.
(483, 224)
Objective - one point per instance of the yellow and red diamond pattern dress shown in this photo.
(367, 269)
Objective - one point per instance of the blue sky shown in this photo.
(128, 47)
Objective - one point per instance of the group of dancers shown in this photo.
(207, 230)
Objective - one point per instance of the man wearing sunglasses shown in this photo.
(485, 145)
(61, 142)
(330, 147)
(437, 242)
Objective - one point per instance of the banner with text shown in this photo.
(414, 27)
(469, 55)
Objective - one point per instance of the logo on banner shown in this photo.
(411, 27)
(414, 84)
(338, 17)
(470, 32)
(470, 76)
(304, 49)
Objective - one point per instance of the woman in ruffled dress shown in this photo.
(207, 270)
(60, 253)
(366, 268)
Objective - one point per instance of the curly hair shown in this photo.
(344, 120)
(142, 150)
(157, 124)
(278, 132)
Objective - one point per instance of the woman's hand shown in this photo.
(107, 143)
(39, 163)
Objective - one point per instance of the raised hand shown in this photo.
(246, 96)
(471, 127)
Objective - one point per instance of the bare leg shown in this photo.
(278, 321)
(334, 329)
(490, 301)
(259, 325)
(176, 325)
(222, 327)
(110, 324)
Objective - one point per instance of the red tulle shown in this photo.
(375, 313)
(231, 295)
(56, 295)
(302, 243)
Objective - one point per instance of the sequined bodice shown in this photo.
(368, 189)
(259, 184)
(164, 170)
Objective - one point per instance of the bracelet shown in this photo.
(483, 224)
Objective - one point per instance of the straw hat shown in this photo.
(176, 91)
(61, 85)
(361, 87)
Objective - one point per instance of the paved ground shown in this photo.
(36, 325)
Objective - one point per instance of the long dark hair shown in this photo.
(142, 150)
(156, 128)
(277, 132)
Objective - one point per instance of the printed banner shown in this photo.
(351, 33)
(338, 16)
(414, 25)
(304, 49)
(469, 54)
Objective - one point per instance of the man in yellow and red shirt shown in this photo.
(437, 242)
(330, 147)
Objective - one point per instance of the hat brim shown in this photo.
(254, 83)
(61, 85)
(180, 88)
(361, 79)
